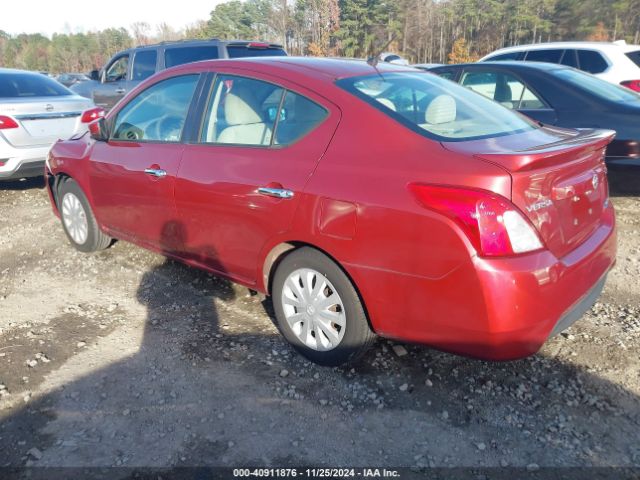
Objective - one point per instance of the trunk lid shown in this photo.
(43, 120)
(558, 179)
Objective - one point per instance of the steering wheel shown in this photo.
(168, 129)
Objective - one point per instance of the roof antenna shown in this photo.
(373, 61)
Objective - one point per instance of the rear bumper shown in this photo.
(18, 163)
(494, 309)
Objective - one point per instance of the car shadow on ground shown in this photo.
(22, 184)
(196, 391)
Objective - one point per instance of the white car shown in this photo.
(35, 111)
(615, 62)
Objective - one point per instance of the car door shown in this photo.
(510, 91)
(133, 174)
(240, 182)
(114, 83)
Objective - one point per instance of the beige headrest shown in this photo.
(387, 103)
(241, 107)
(442, 109)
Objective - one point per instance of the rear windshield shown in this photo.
(181, 55)
(26, 85)
(435, 107)
(634, 57)
(239, 51)
(596, 86)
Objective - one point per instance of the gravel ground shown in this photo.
(125, 358)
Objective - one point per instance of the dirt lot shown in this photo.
(125, 358)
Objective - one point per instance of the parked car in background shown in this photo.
(362, 199)
(127, 69)
(35, 111)
(68, 79)
(615, 62)
(558, 95)
(426, 66)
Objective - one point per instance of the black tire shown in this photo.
(358, 336)
(96, 239)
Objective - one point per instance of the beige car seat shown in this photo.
(245, 124)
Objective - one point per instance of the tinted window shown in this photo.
(634, 57)
(144, 64)
(569, 59)
(597, 86)
(449, 75)
(241, 111)
(158, 113)
(117, 70)
(503, 88)
(437, 108)
(17, 85)
(181, 55)
(549, 56)
(591, 61)
(298, 116)
(244, 51)
(505, 56)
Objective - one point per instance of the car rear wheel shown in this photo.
(78, 221)
(318, 309)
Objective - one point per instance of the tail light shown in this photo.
(7, 123)
(257, 45)
(632, 84)
(94, 114)
(494, 226)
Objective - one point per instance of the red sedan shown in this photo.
(365, 200)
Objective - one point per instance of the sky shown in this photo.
(72, 16)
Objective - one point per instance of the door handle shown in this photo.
(120, 91)
(275, 192)
(156, 172)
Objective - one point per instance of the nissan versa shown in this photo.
(365, 200)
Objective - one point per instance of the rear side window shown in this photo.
(549, 56)
(505, 56)
(242, 111)
(448, 74)
(180, 55)
(634, 57)
(298, 117)
(158, 113)
(591, 61)
(26, 85)
(239, 51)
(570, 59)
(144, 64)
(435, 107)
(503, 88)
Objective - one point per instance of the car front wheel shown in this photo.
(318, 309)
(78, 221)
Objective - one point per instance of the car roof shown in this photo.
(203, 41)
(328, 69)
(604, 46)
(510, 65)
(17, 70)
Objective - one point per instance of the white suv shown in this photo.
(615, 62)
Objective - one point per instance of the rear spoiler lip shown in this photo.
(586, 141)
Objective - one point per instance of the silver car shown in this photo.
(35, 111)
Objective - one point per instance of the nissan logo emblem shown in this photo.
(595, 181)
(48, 107)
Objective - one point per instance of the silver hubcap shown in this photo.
(313, 309)
(75, 218)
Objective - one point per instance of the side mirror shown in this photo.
(94, 75)
(99, 130)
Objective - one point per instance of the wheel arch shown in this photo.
(281, 250)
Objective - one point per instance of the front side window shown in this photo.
(503, 88)
(117, 70)
(144, 64)
(158, 113)
(434, 107)
(549, 56)
(181, 55)
(591, 61)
